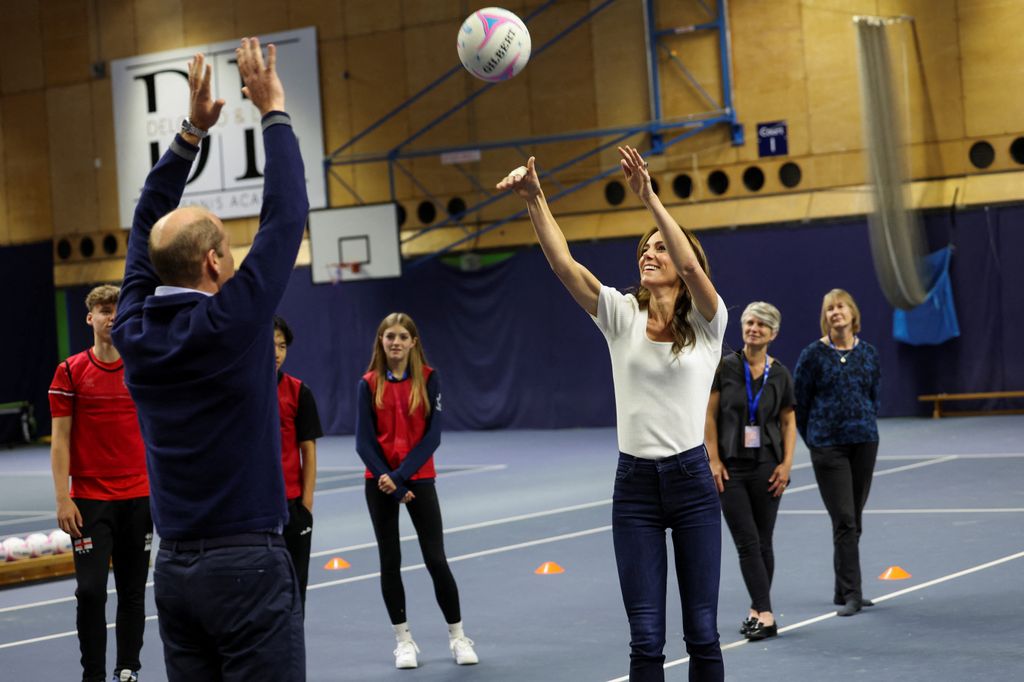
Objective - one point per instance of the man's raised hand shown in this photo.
(203, 111)
(260, 82)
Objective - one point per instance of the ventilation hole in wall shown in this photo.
(753, 178)
(1017, 150)
(426, 212)
(63, 249)
(790, 174)
(614, 193)
(682, 185)
(456, 206)
(982, 155)
(400, 210)
(655, 186)
(110, 245)
(718, 182)
(87, 247)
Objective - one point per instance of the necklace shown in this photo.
(842, 352)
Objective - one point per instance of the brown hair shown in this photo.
(830, 298)
(105, 294)
(683, 334)
(180, 261)
(417, 361)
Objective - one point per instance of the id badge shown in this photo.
(752, 436)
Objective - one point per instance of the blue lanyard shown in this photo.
(753, 400)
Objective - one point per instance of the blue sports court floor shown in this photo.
(947, 505)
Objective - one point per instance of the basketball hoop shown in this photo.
(335, 270)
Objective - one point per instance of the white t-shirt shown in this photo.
(661, 398)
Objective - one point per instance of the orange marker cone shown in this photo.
(549, 568)
(336, 564)
(894, 573)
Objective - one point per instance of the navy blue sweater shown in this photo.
(837, 402)
(201, 368)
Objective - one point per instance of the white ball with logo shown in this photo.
(16, 548)
(493, 44)
(39, 544)
(61, 541)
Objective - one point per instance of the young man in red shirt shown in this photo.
(96, 441)
(300, 427)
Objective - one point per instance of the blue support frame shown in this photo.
(657, 127)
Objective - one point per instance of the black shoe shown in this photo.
(866, 602)
(761, 631)
(747, 625)
(849, 608)
(839, 601)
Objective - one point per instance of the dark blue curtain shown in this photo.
(28, 343)
(514, 350)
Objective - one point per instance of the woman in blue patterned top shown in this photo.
(837, 381)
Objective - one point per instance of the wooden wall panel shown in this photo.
(929, 47)
(327, 15)
(770, 82)
(21, 48)
(372, 16)
(376, 67)
(115, 25)
(27, 166)
(259, 17)
(72, 169)
(991, 58)
(208, 22)
(336, 106)
(620, 71)
(832, 80)
(562, 93)
(159, 24)
(67, 49)
(417, 12)
(105, 153)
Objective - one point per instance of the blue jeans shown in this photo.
(230, 610)
(652, 496)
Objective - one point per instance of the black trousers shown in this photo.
(750, 512)
(298, 538)
(844, 476)
(121, 530)
(425, 512)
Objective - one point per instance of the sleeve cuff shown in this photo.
(273, 118)
(183, 149)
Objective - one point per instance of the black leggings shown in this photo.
(425, 513)
(750, 512)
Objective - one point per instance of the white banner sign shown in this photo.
(151, 99)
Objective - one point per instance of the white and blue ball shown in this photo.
(494, 44)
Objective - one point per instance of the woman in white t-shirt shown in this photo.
(665, 343)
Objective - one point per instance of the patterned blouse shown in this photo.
(837, 401)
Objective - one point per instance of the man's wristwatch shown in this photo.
(188, 127)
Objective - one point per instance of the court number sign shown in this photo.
(772, 139)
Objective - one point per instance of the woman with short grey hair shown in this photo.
(750, 432)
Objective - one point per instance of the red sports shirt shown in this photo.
(108, 458)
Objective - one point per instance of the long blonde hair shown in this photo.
(683, 334)
(417, 362)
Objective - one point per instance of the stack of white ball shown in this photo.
(35, 545)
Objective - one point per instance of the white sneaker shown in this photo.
(405, 655)
(462, 651)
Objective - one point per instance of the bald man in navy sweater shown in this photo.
(197, 342)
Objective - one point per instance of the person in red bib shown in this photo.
(105, 508)
(398, 428)
(300, 427)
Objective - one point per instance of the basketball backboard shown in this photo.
(365, 237)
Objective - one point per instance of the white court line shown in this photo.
(367, 576)
(969, 455)
(448, 474)
(885, 597)
(25, 519)
(885, 472)
(990, 510)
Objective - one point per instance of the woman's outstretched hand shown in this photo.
(523, 181)
(635, 169)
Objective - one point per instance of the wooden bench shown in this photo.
(939, 398)
(37, 568)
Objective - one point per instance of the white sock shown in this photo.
(455, 631)
(402, 632)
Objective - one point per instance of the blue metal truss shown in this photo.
(663, 132)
